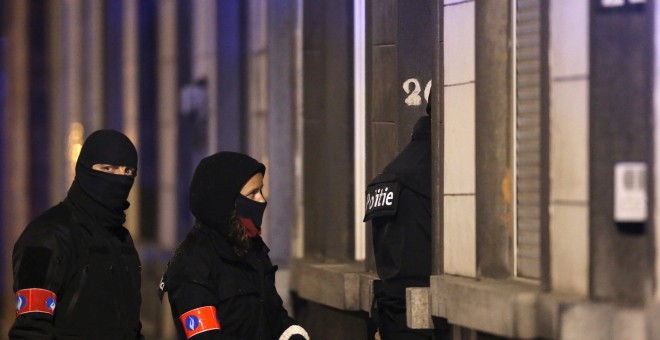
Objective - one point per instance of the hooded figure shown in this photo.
(76, 270)
(215, 191)
(398, 204)
(221, 282)
(104, 194)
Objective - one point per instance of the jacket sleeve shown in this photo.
(138, 278)
(188, 296)
(40, 260)
(287, 321)
(290, 328)
(187, 290)
(139, 332)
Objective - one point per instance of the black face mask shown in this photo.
(250, 210)
(108, 192)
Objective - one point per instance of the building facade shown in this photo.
(544, 144)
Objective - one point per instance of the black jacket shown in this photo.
(205, 271)
(93, 270)
(399, 206)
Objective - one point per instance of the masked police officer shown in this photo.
(76, 270)
(221, 282)
(398, 203)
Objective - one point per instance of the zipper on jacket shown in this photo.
(76, 294)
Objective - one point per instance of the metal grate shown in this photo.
(528, 138)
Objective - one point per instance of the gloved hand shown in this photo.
(294, 332)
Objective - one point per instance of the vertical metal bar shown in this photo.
(130, 98)
(56, 89)
(514, 130)
(360, 114)
(299, 237)
(656, 148)
(437, 140)
(546, 277)
(212, 74)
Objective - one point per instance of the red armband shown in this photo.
(199, 320)
(35, 300)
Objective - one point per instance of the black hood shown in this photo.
(100, 194)
(412, 166)
(216, 184)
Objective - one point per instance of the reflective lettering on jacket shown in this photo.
(382, 197)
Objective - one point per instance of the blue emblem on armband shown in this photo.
(50, 304)
(20, 302)
(192, 322)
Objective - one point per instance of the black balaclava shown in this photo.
(250, 213)
(217, 184)
(100, 194)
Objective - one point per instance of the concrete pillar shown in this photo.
(257, 130)
(494, 128)
(167, 123)
(257, 72)
(382, 96)
(231, 67)
(66, 88)
(205, 62)
(93, 64)
(459, 145)
(414, 65)
(58, 161)
(569, 147)
(16, 135)
(620, 130)
(256, 127)
(281, 124)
